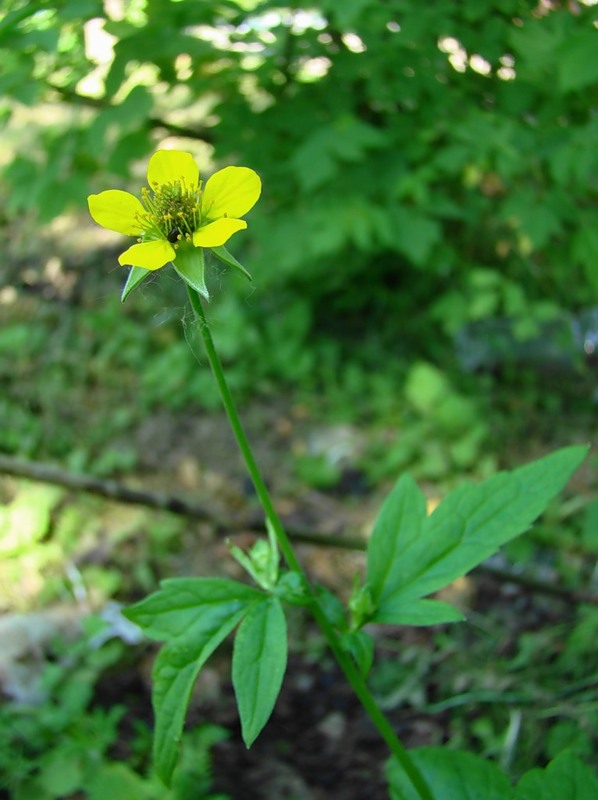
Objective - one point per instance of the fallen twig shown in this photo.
(118, 492)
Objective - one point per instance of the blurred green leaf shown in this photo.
(415, 234)
(566, 776)
(450, 775)
(577, 61)
(118, 782)
(426, 387)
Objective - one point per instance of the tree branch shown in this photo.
(71, 96)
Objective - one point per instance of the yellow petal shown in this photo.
(218, 232)
(168, 166)
(116, 210)
(149, 255)
(231, 191)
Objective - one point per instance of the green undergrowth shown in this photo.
(76, 717)
(516, 682)
(79, 377)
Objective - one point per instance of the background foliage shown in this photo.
(422, 167)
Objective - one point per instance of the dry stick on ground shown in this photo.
(113, 490)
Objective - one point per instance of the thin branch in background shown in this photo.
(120, 493)
(73, 97)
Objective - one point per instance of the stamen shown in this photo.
(170, 206)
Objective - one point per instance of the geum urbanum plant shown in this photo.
(410, 554)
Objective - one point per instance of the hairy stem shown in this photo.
(351, 672)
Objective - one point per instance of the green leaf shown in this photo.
(565, 777)
(398, 525)
(259, 663)
(450, 775)
(118, 782)
(585, 250)
(410, 557)
(361, 647)
(174, 610)
(398, 611)
(533, 217)
(229, 259)
(190, 263)
(332, 607)
(62, 771)
(577, 63)
(136, 276)
(132, 112)
(194, 615)
(415, 234)
(291, 589)
(426, 387)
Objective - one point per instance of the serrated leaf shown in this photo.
(398, 525)
(465, 529)
(450, 775)
(229, 259)
(565, 777)
(417, 612)
(190, 264)
(135, 277)
(259, 664)
(176, 607)
(193, 615)
(175, 671)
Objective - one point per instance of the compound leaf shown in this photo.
(410, 557)
(193, 615)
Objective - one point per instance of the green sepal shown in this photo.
(135, 277)
(228, 258)
(190, 263)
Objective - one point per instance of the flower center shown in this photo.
(172, 212)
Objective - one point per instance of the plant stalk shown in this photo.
(351, 672)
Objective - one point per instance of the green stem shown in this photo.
(351, 672)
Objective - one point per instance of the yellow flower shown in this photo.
(178, 213)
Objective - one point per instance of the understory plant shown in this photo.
(411, 554)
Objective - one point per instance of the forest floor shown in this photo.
(485, 684)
